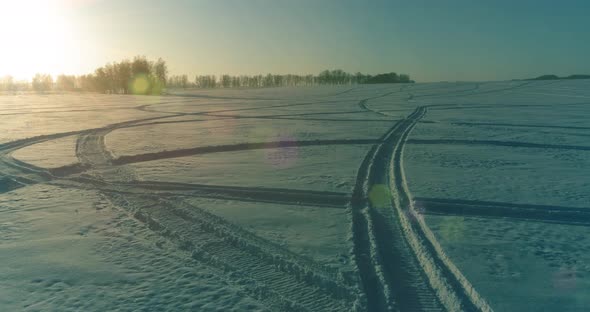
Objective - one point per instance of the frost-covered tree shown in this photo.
(161, 71)
(7, 83)
(65, 83)
(42, 82)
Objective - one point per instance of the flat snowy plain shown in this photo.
(432, 197)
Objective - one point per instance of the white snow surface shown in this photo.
(242, 199)
(50, 154)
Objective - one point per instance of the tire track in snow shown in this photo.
(275, 195)
(466, 92)
(498, 143)
(322, 199)
(271, 273)
(9, 147)
(363, 103)
(401, 264)
(452, 288)
(446, 93)
(475, 92)
(8, 184)
(91, 141)
(342, 92)
(16, 174)
(309, 114)
(146, 108)
(122, 160)
(492, 124)
(272, 117)
(91, 149)
(487, 209)
(391, 276)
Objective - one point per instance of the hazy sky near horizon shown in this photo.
(430, 40)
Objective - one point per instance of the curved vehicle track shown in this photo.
(391, 275)
(401, 263)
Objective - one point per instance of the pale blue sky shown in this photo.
(430, 40)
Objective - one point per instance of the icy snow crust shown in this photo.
(428, 197)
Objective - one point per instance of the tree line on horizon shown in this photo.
(326, 77)
(137, 76)
(142, 76)
(555, 77)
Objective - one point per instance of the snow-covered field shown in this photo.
(443, 196)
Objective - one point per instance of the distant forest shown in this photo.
(141, 76)
(555, 77)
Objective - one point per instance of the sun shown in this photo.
(35, 37)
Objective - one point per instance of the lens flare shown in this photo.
(380, 196)
(140, 84)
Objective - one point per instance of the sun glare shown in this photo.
(35, 36)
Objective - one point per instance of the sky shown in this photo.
(453, 40)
